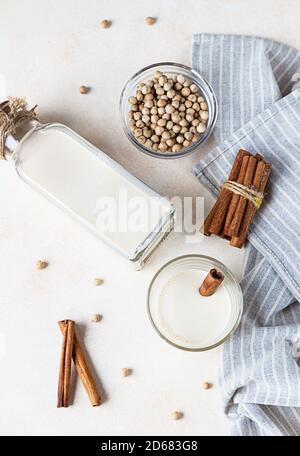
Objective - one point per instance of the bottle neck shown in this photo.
(12, 141)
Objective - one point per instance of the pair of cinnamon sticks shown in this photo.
(72, 348)
(232, 214)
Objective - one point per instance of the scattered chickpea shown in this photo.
(126, 371)
(207, 385)
(84, 89)
(96, 318)
(40, 264)
(98, 281)
(105, 24)
(176, 415)
(150, 20)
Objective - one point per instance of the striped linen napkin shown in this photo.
(257, 85)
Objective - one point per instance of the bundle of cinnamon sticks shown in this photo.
(239, 198)
(72, 348)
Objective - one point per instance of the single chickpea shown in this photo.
(166, 135)
(105, 24)
(189, 118)
(84, 89)
(186, 143)
(145, 90)
(145, 111)
(153, 110)
(183, 123)
(146, 119)
(40, 264)
(162, 80)
(159, 130)
(193, 88)
(169, 125)
(166, 116)
(195, 122)
(175, 103)
(196, 106)
(195, 138)
(167, 86)
(170, 109)
(184, 130)
(96, 318)
(176, 148)
(155, 147)
(163, 146)
(188, 135)
(171, 93)
(201, 127)
(140, 124)
(155, 138)
(147, 133)
(180, 139)
(192, 97)
(161, 111)
(203, 106)
(141, 139)
(204, 115)
(170, 142)
(200, 99)
(188, 104)
(157, 75)
(161, 103)
(149, 104)
(178, 86)
(180, 79)
(161, 122)
(185, 91)
(148, 143)
(176, 128)
(132, 100)
(176, 119)
(182, 108)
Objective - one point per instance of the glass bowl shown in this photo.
(184, 318)
(171, 69)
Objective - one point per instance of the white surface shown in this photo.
(48, 49)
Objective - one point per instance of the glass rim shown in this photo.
(202, 139)
(227, 271)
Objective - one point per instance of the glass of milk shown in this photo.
(184, 318)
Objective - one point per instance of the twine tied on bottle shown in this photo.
(246, 192)
(13, 113)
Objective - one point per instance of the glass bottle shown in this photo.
(91, 187)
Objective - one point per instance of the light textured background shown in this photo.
(47, 50)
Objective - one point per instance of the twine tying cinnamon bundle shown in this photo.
(13, 113)
(240, 197)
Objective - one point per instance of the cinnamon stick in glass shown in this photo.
(64, 378)
(223, 202)
(211, 282)
(242, 202)
(83, 369)
(260, 180)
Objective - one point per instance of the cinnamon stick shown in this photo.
(242, 202)
(218, 218)
(83, 369)
(260, 180)
(65, 365)
(235, 198)
(211, 282)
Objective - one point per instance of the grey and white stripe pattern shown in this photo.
(254, 80)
